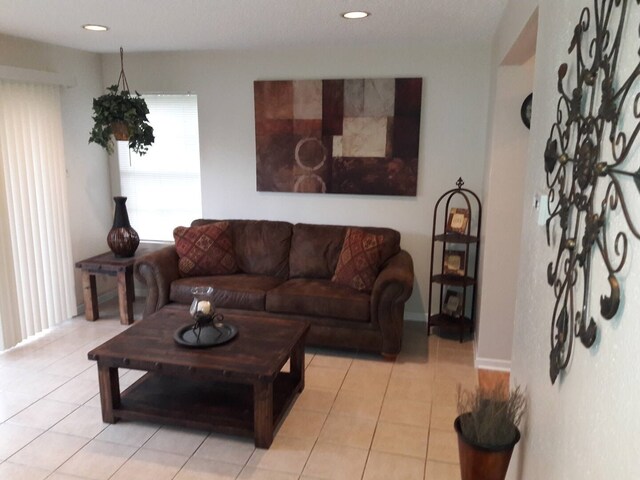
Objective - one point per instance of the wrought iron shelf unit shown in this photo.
(467, 242)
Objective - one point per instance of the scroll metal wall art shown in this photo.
(355, 136)
(591, 174)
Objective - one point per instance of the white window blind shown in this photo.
(36, 266)
(163, 186)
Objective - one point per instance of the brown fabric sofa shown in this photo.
(286, 270)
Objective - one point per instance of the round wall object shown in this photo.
(525, 110)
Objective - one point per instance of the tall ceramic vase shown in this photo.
(122, 239)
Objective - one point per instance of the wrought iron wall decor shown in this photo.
(588, 165)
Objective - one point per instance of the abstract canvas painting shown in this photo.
(355, 136)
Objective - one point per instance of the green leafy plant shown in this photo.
(490, 417)
(121, 110)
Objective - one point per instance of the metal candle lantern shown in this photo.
(203, 312)
(207, 329)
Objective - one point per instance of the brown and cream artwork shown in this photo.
(355, 136)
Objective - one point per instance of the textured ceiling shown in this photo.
(157, 25)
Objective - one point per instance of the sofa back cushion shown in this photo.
(205, 250)
(315, 248)
(261, 246)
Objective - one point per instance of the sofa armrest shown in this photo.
(391, 290)
(157, 270)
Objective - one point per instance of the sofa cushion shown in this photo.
(242, 291)
(320, 298)
(205, 250)
(261, 246)
(360, 260)
(315, 250)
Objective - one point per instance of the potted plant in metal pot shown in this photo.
(487, 428)
(120, 115)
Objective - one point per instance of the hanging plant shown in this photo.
(122, 116)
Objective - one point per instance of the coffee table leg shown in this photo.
(90, 294)
(125, 296)
(297, 365)
(263, 414)
(109, 392)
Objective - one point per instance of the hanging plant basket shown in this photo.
(121, 116)
(120, 131)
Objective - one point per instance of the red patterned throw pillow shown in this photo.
(205, 250)
(359, 260)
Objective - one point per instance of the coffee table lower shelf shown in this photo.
(223, 407)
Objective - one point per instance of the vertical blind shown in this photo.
(35, 247)
(163, 186)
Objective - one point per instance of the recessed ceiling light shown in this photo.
(95, 28)
(355, 15)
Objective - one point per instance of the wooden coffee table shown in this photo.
(234, 388)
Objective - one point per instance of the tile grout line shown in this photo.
(432, 398)
(377, 421)
(315, 442)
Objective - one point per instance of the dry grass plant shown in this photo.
(492, 416)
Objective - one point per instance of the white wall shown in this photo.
(452, 143)
(512, 71)
(87, 175)
(502, 220)
(514, 21)
(586, 425)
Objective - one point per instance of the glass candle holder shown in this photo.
(202, 303)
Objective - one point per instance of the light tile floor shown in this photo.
(359, 417)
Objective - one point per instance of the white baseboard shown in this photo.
(493, 364)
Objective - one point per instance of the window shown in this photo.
(163, 186)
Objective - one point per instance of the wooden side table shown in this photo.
(122, 268)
